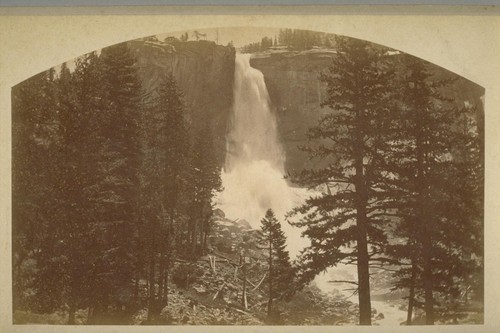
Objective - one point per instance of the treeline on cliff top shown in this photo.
(293, 39)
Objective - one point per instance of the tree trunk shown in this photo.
(98, 311)
(200, 233)
(424, 219)
(90, 314)
(361, 201)
(271, 276)
(205, 245)
(192, 238)
(151, 303)
(94, 301)
(161, 278)
(72, 297)
(411, 298)
(244, 294)
(165, 288)
(365, 312)
(71, 314)
(16, 269)
(136, 283)
(428, 284)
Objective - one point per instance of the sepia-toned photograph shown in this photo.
(248, 176)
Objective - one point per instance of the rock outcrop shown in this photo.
(204, 72)
(292, 79)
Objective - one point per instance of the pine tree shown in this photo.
(184, 37)
(425, 166)
(71, 182)
(165, 181)
(457, 258)
(34, 191)
(350, 136)
(280, 272)
(116, 188)
(467, 198)
(51, 259)
(204, 183)
(78, 159)
(64, 129)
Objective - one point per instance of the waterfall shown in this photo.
(253, 177)
(253, 135)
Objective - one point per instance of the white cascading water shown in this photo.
(253, 177)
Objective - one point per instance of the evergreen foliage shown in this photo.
(351, 136)
(279, 267)
(396, 146)
(164, 183)
(434, 144)
(106, 181)
(297, 39)
(204, 182)
(293, 39)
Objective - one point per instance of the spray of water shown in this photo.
(253, 177)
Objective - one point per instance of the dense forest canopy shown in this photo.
(109, 186)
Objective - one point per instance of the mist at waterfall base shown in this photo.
(253, 178)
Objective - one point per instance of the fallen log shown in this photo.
(212, 260)
(222, 256)
(261, 280)
(182, 261)
(218, 291)
(258, 304)
(240, 311)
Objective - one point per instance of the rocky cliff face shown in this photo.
(204, 72)
(292, 79)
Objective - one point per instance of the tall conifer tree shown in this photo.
(350, 136)
(280, 272)
(35, 194)
(166, 170)
(430, 149)
(117, 184)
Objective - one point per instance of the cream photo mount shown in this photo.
(462, 39)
